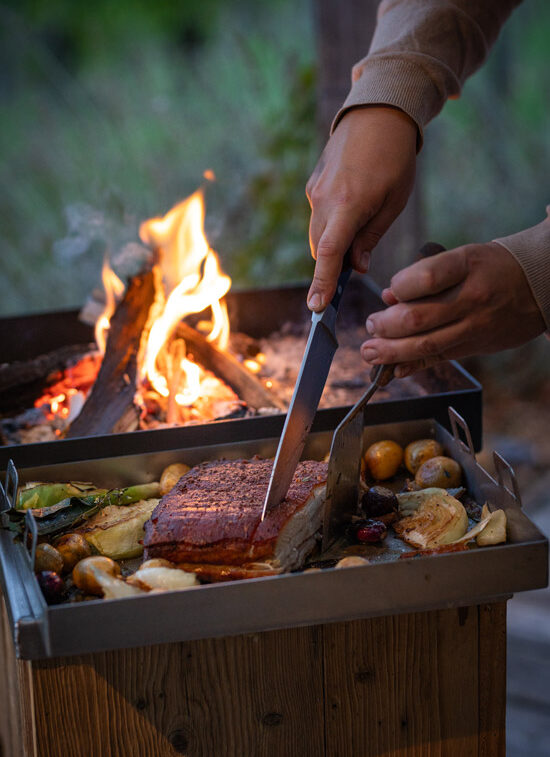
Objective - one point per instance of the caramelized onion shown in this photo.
(430, 517)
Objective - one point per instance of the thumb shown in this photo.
(331, 248)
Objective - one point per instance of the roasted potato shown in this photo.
(382, 459)
(441, 472)
(171, 475)
(72, 548)
(47, 558)
(87, 573)
(419, 451)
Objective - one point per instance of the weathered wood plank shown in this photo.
(251, 695)
(17, 735)
(492, 680)
(403, 685)
(458, 681)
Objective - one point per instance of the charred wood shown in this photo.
(110, 404)
(22, 381)
(246, 385)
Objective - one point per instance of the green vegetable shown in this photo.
(46, 495)
(71, 511)
(130, 494)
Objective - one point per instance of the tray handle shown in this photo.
(11, 486)
(457, 421)
(30, 534)
(503, 468)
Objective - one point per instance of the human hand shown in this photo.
(360, 185)
(467, 301)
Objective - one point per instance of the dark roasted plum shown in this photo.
(378, 501)
(52, 586)
(367, 531)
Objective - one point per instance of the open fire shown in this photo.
(172, 387)
(169, 356)
(188, 280)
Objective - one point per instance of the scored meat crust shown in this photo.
(211, 520)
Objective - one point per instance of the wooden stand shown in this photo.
(430, 683)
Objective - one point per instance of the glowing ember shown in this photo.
(114, 288)
(254, 365)
(65, 397)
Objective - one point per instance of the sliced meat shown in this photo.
(212, 518)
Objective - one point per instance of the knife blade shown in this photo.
(320, 348)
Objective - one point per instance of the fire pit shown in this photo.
(176, 347)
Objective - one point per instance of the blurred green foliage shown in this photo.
(487, 155)
(111, 112)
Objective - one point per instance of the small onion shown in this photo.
(430, 518)
(87, 573)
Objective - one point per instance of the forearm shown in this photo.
(423, 51)
(531, 249)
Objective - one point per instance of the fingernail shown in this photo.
(370, 326)
(369, 354)
(315, 301)
(365, 260)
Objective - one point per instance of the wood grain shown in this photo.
(248, 695)
(420, 685)
(403, 685)
(16, 700)
(110, 405)
(492, 680)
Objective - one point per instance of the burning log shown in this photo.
(110, 405)
(248, 387)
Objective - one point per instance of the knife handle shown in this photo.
(429, 249)
(342, 279)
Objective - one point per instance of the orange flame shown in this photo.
(113, 288)
(193, 281)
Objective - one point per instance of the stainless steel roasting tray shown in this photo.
(387, 586)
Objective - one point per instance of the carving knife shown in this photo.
(320, 349)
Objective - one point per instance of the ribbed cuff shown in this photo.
(392, 80)
(531, 248)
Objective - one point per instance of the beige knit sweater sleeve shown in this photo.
(421, 54)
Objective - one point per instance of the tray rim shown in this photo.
(41, 631)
